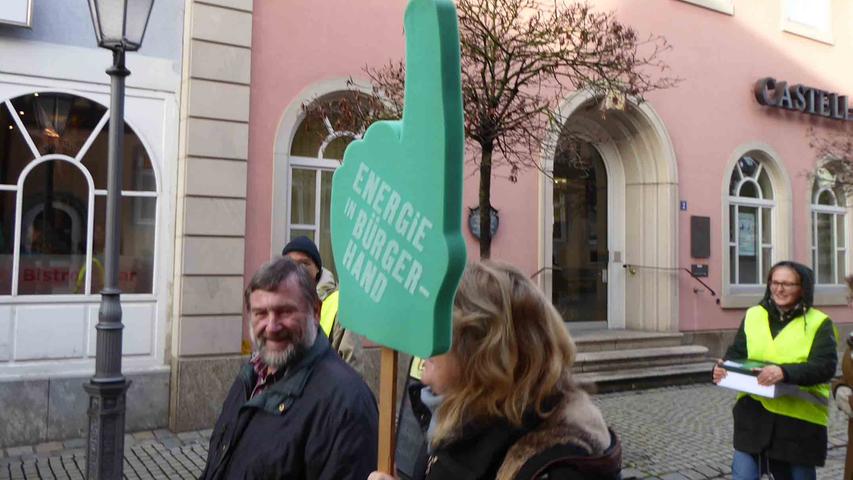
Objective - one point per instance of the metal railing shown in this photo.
(632, 269)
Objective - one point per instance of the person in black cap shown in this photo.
(303, 251)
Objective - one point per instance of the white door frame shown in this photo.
(615, 221)
(642, 205)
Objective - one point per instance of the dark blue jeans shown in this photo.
(745, 467)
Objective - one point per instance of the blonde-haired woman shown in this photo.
(501, 404)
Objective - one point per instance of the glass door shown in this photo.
(579, 280)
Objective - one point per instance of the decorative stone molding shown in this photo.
(642, 211)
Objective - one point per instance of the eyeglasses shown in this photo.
(785, 285)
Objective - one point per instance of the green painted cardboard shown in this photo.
(397, 200)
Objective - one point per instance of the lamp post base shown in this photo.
(105, 443)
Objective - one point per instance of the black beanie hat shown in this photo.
(305, 245)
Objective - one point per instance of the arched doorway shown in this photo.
(620, 269)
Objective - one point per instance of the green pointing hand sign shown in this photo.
(397, 200)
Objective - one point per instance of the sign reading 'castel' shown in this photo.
(802, 98)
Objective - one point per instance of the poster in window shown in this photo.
(746, 233)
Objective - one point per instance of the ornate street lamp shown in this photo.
(119, 26)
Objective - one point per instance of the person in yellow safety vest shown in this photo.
(784, 436)
(302, 250)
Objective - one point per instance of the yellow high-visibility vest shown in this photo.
(416, 369)
(791, 345)
(80, 285)
(328, 313)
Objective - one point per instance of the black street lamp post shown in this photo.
(119, 26)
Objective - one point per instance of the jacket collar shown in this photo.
(575, 428)
(279, 396)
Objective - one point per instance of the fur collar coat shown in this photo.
(573, 443)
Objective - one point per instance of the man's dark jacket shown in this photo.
(319, 421)
(756, 430)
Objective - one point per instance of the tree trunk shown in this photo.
(485, 204)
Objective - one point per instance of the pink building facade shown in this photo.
(700, 178)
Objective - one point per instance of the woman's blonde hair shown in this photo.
(512, 347)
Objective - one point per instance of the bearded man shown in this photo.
(296, 410)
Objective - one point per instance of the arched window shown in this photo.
(829, 229)
(53, 175)
(316, 151)
(751, 204)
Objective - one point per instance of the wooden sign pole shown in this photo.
(387, 409)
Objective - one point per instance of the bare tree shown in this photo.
(519, 59)
(836, 147)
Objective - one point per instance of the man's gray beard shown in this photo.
(279, 360)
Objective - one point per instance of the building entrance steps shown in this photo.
(588, 340)
(615, 360)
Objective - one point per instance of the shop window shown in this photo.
(751, 205)
(53, 164)
(808, 18)
(316, 150)
(829, 230)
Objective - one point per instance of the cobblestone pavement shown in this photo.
(674, 433)
(685, 433)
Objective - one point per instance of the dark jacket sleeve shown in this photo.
(737, 350)
(823, 359)
(348, 449)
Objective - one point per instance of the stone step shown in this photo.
(638, 358)
(651, 377)
(600, 340)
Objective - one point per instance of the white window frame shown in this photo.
(722, 6)
(319, 165)
(830, 293)
(821, 34)
(77, 160)
(834, 211)
(759, 204)
(740, 295)
(284, 162)
(152, 110)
